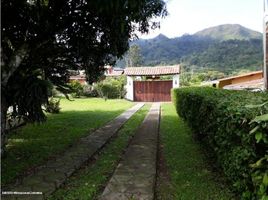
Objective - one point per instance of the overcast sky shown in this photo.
(190, 16)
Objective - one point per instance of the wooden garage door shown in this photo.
(152, 91)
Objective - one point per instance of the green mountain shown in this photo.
(229, 32)
(224, 48)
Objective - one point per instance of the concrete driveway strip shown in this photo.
(50, 176)
(134, 177)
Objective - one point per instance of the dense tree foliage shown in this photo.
(134, 57)
(228, 55)
(195, 78)
(42, 39)
(209, 54)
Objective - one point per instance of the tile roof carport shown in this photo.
(152, 71)
(151, 90)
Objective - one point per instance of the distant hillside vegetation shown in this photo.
(223, 48)
(229, 32)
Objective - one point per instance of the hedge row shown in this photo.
(110, 88)
(230, 124)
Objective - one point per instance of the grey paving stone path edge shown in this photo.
(135, 175)
(50, 176)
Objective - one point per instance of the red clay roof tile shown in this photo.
(152, 71)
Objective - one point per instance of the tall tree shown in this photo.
(42, 39)
(134, 57)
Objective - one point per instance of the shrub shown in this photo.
(77, 88)
(111, 88)
(89, 91)
(226, 121)
(106, 90)
(53, 105)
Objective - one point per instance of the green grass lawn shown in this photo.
(89, 182)
(188, 176)
(33, 144)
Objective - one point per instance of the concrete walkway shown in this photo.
(48, 178)
(134, 177)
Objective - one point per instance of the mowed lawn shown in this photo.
(33, 144)
(90, 181)
(187, 173)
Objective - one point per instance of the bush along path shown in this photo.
(184, 171)
(48, 178)
(134, 177)
(233, 125)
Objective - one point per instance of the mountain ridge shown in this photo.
(234, 31)
(225, 48)
(229, 32)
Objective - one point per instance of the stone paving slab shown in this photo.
(49, 177)
(135, 175)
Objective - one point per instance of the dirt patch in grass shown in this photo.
(163, 189)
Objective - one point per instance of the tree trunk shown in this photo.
(4, 108)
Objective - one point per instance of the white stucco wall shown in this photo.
(176, 81)
(130, 88)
